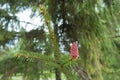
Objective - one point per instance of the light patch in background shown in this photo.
(28, 23)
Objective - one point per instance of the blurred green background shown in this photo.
(36, 35)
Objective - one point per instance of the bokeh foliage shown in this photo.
(37, 53)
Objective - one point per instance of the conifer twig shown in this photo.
(34, 57)
(52, 35)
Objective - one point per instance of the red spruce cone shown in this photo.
(74, 51)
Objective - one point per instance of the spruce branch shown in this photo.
(28, 56)
(51, 33)
(53, 40)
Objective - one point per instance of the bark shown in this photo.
(57, 74)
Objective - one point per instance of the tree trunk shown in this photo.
(57, 74)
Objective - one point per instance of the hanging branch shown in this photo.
(8, 73)
(116, 36)
(110, 71)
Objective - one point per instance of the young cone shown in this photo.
(74, 53)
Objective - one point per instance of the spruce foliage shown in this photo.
(37, 54)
